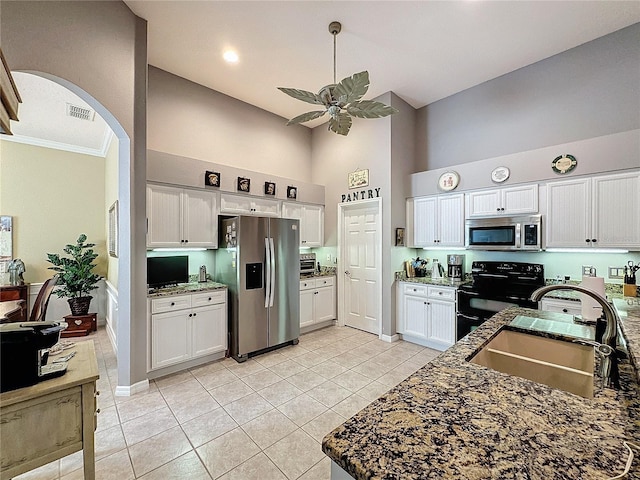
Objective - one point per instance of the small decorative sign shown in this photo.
(292, 193)
(360, 195)
(212, 179)
(399, 237)
(359, 178)
(270, 188)
(500, 174)
(244, 184)
(448, 181)
(564, 164)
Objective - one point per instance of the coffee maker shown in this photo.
(455, 267)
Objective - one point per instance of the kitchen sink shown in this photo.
(559, 364)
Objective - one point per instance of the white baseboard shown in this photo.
(390, 338)
(124, 391)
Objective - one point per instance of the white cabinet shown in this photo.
(317, 300)
(570, 307)
(246, 205)
(518, 200)
(178, 217)
(311, 222)
(184, 327)
(427, 314)
(436, 220)
(601, 211)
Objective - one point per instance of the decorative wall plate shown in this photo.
(564, 164)
(500, 174)
(448, 181)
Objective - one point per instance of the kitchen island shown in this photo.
(455, 419)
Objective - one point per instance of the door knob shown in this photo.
(347, 273)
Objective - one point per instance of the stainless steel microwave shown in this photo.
(504, 233)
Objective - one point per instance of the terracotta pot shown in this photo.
(79, 305)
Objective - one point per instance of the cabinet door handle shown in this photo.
(190, 314)
(209, 299)
(594, 240)
(439, 293)
(195, 314)
(186, 241)
(587, 240)
(565, 310)
(173, 304)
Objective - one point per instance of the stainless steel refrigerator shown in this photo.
(258, 259)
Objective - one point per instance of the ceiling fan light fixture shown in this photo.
(341, 100)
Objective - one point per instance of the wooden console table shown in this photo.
(10, 293)
(51, 419)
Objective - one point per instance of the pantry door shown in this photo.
(360, 246)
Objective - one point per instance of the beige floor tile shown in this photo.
(329, 393)
(279, 393)
(207, 368)
(247, 408)
(392, 378)
(109, 441)
(107, 418)
(186, 467)
(348, 360)
(227, 452)
(230, 392)
(245, 368)
(173, 379)
(306, 380)
(302, 409)
(323, 424)
(206, 427)
(215, 379)
(310, 359)
(148, 425)
(267, 429)
(295, 454)
(351, 405)
(261, 379)
(258, 467)
(320, 471)
(50, 471)
(329, 369)
(371, 370)
(71, 463)
(293, 351)
(158, 450)
(351, 380)
(270, 359)
(188, 388)
(373, 390)
(131, 398)
(130, 410)
(114, 467)
(192, 406)
(287, 368)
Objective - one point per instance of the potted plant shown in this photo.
(76, 277)
(420, 266)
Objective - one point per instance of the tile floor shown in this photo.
(263, 419)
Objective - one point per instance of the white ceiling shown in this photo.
(423, 51)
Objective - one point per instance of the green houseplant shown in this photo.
(76, 277)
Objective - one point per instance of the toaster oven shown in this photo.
(307, 263)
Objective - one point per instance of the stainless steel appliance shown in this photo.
(455, 267)
(504, 233)
(307, 263)
(258, 260)
(496, 286)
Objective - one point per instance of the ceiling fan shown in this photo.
(341, 100)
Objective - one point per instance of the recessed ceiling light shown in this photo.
(230, 56)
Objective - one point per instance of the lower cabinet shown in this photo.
(427, 314)
(570, 307)
(317, 301)
(183, 327)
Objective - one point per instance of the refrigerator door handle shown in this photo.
(272, 269)
(267, 273)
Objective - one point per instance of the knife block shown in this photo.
(629, 290)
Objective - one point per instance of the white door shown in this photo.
(325, 304)
(164, 217)
(361, 264)
(313, 228)
(208, 332)
(306, 307)
(424, 221)
(415, 316)
(199, 219)
(450, 220)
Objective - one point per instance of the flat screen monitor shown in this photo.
(164, 271)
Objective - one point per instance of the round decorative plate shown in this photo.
(448, 181)
(564, 164)
(500, 174)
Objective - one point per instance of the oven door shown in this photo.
(466, 324)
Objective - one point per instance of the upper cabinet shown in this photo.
(311, 222)
(601, 211)
(436, 220)
(246, 205)
(518, 200)
(178, 217)
(10, 97)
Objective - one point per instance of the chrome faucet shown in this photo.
(609, 366)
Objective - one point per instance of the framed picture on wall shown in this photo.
(244, 184)
(112, 234)
(292, 193)
(399, 237)
(270, 188)
(212, 179)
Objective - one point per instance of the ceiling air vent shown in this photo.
(80, 112)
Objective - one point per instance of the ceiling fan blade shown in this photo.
(341, 124)
(305, 117)
(369, 109)
(303, 95)
(352, 88)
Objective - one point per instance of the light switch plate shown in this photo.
(616, 272)
(586, 269)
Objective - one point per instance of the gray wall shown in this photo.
(193, 121)
(98, 50)
(585, 92)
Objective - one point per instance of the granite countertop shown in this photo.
(444, 282)
(191, 287)
(456, 419)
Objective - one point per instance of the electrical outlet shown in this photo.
(586, 269)
(328, 257)
(616, 272)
